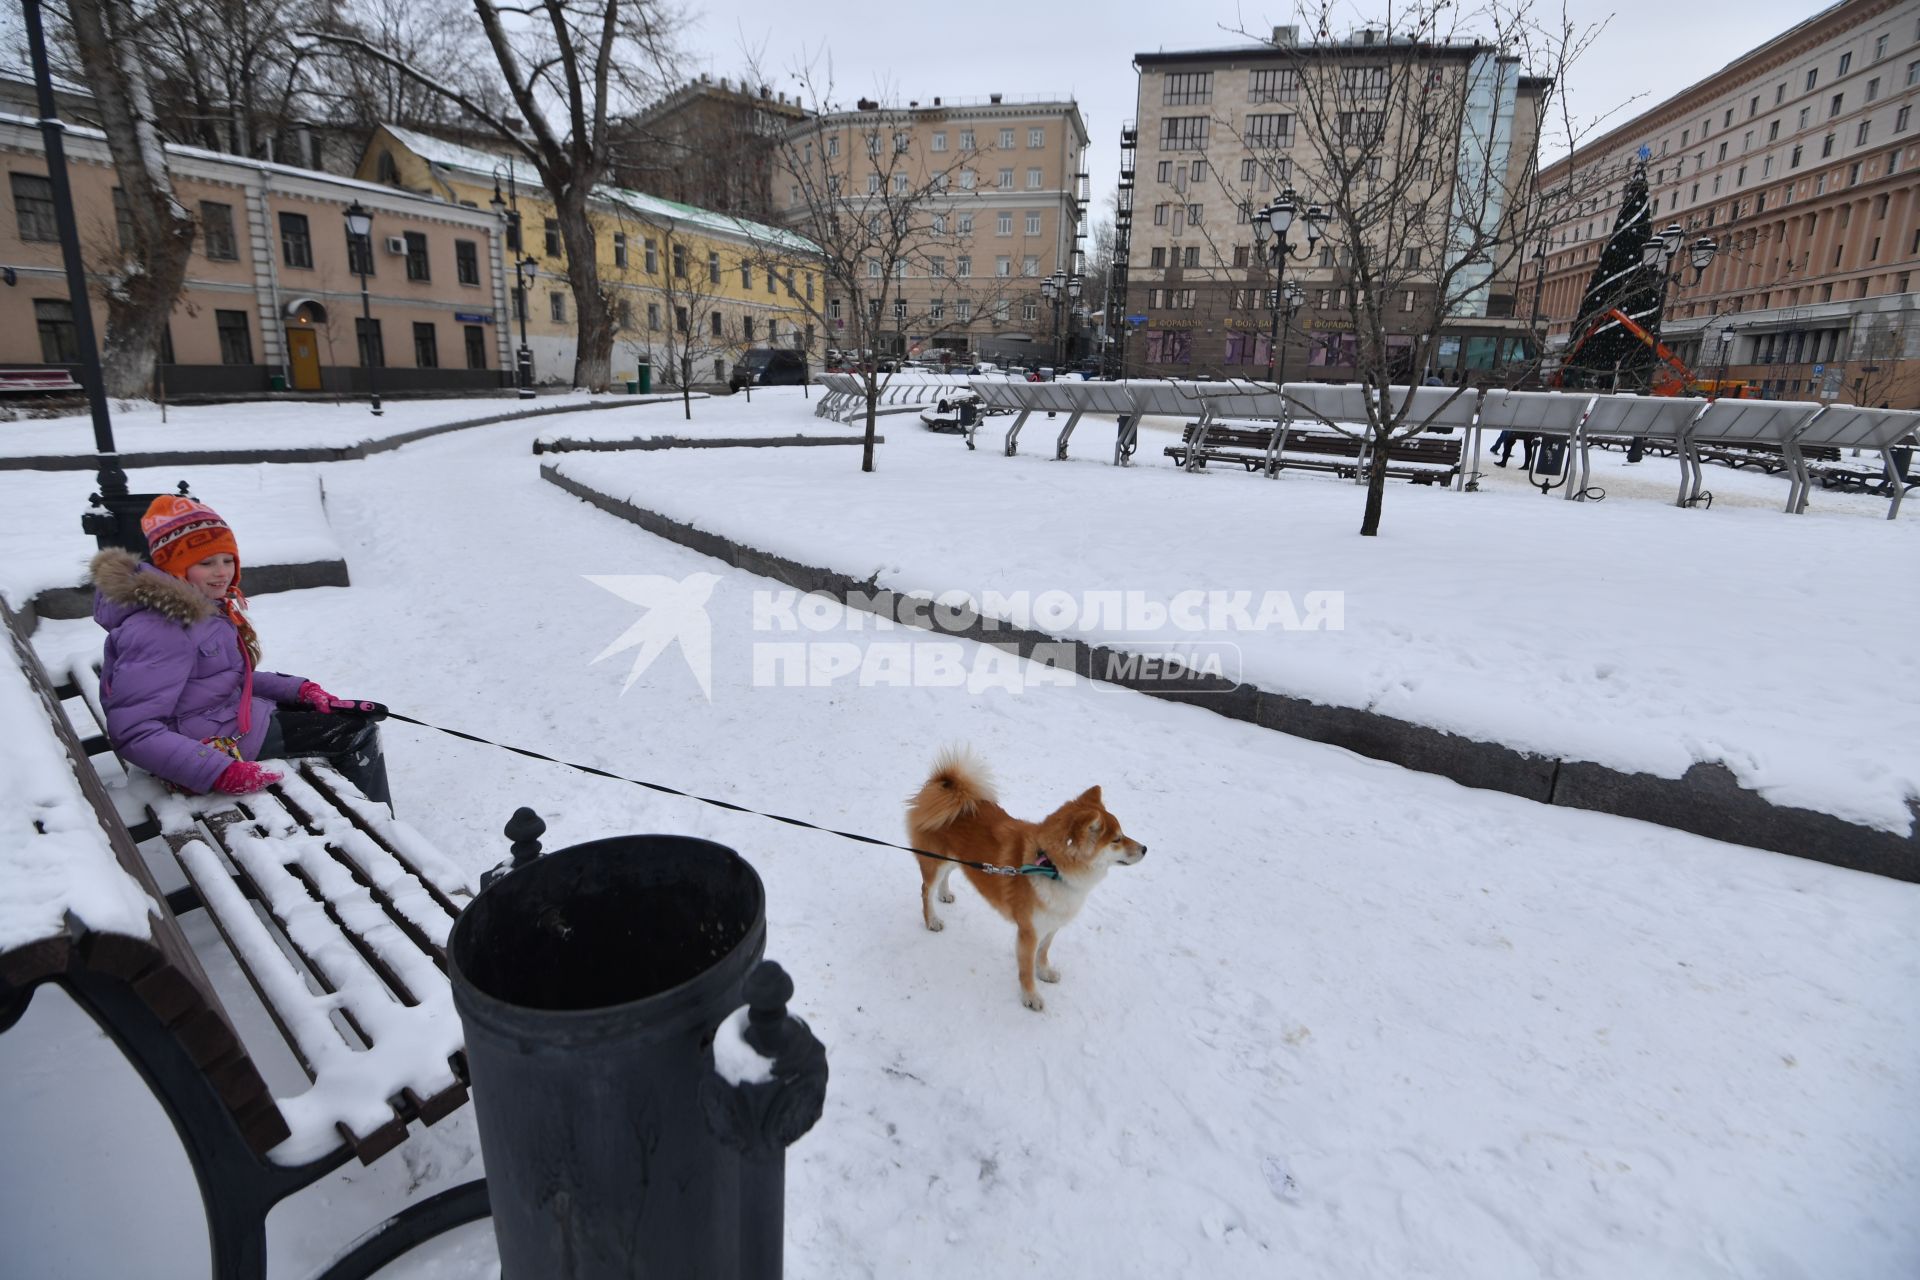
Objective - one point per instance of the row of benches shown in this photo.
(336, 914)
(1276, 447)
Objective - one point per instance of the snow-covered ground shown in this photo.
(1343, 1021)
(1627, 631)
(274, 424)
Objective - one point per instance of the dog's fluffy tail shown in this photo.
(958, 786)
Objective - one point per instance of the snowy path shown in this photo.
(1479, 1036)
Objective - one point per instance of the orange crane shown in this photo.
(1673, 380)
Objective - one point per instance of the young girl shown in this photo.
(183, 697)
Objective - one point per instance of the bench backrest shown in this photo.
(1773, 422)
(160, 969)
(1653, 417)
(1848, 426)
(1545, 413)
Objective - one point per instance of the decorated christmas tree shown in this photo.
(1621, 283)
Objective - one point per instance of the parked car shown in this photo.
(769, 367)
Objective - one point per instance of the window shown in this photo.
(373, 348)
(809, 288)
(1274, 86)
(296, 246)
(553, 238)
(899, 310)
(59, 345)
(1003, 267)
(1766, 167)
(1239, 255)
(873, 184)
(1806, 116)
(680, 262)
(1003, 224)
(1190, 256)
(1846, 62)
(680, 319)
(873, 144)
(653, 258)
(1160, 214)
(901, 142)
(899, 184)
(1860, 135)
(1753, 106)
(1033, 179)
(476, 336)
(1793, 161)
(1006, 180)
(1727, 122)
(619, 248)
(966, 140)
(714, 318)
(1900, 119)
(939, 142)
(1187, 89)
(1412, 259)
(1029, 266)
(1029, 310)
(1270, 131)
(936, 267)
(937, 309)
(1739, 177)
(1006, 139)
(1723, 153)
(833, 149)
(1193, 214)
(1363, 82)
(466, 261)
(1359, 126)
(216, 231)
(1183, 133)
(1746, 142)
(33, 209)
(1826, 146)
(900, 269)
(1873, 88)
(1164, 170)
(1036, 137)
(1249, 169)
(966, 179)
(873, 269)
(1159, 257)
(1033, 224)
(1834, 107)
(771, 280)
(416, 255)
(1853, 180)
(653, 316)
(1773, 131)
(833, 308)
(963, 310)
(426, 346)
(963, 266)
(557, 307)
(966, 224)
(1813, 78)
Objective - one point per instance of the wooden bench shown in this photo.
(1835, 472)
(1768, 457)
(38, 382)
(1423, 459)
(337, 916)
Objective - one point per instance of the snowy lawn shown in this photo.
(279, 513)
(1343, 1021)
(270, 424)
(1626, 631)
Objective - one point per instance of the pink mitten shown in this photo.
(317, 698)
(243, 776)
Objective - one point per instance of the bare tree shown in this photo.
(568, 67)
(891, 237)
(156, 231)
(695, 329)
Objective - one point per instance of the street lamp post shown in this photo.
(1726, 349)
(1074, 285)
(1273, 223)
(1051, 289)
(1662, 252)
(1283, 301)
(510, 216)
(360, 228)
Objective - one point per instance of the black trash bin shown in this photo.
(590, 982)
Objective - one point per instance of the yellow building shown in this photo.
(686, 290)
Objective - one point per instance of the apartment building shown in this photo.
(1011, 212)
(711, 144)
(686, 282)
(271, 299)
(1218, 132)
(1798, 158)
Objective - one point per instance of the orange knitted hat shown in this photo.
(182, 532)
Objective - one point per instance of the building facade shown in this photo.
(688, 291)
(1010, 211)
(713, 145)
(1798, 159)
(272, 299)
(1219, 132)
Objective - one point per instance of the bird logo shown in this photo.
(674, 611)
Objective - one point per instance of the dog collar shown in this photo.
(1043, 867)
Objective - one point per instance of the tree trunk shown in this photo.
(593, 351)
(873, 400)
(140, 297)
(1376, 487)
(686, 385)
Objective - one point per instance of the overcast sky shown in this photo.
(898, 52)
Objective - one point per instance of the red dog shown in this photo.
(955, 814)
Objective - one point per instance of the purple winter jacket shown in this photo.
(173, 672)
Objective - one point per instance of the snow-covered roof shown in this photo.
(483, 164)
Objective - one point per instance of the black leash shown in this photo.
(1043, 868)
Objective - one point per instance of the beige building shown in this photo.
(1012, 213)
(1798, 159)
(1218, 132)
(271, 299)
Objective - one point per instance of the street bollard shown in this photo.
(591, 983)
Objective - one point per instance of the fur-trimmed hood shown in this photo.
(124, 586)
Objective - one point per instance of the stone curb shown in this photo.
(308, 453)
(564, 445)
(1707, 800)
